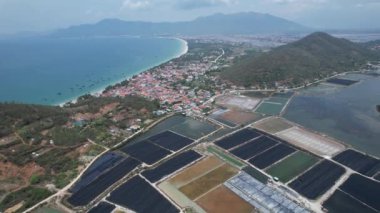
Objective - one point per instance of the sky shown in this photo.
(45, 15)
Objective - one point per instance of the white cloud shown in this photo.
(135, 4)
(35, 15)
(196, 4)
(298, 1)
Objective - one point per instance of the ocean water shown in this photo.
(346, 113)
(53, 71)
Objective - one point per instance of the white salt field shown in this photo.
(346, 113)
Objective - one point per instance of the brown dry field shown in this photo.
(90, 116)
(13, 177)
(273, 125)
(238, 117)
(10, 170)
(223, 200)
(237, 102)
(14, 208)
(7, 139)
(195, 171)
(210, 180)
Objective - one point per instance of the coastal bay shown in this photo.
(345, 113)
(53, 71)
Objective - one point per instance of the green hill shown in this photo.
(314, 56)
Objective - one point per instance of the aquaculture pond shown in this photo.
(292, 166)
(182, 125)
(347, 113)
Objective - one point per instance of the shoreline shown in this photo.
(97, 92)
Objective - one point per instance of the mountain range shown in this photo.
(313, 57)
(218, 24)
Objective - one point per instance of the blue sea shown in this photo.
(52, 71)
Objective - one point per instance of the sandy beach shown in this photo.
(99, 91)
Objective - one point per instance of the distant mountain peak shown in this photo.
(217, 24)
(324, 40)
(319, 35)
(241, 14)
(110, 20)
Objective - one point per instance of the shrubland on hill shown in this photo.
(313, 57)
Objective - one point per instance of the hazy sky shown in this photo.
(40, 15)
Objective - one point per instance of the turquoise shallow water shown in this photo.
(52, 71)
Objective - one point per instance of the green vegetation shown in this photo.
(7, 145)
(57, 161)
(36, 124)
(35, 179)
(60, 139)
(375, 45)
(313, 57)
(292, 166)
(257, 94)
(225, 157)
(47, 210)
(128, 108)
(29, 196)
(67, 136)
(256, 174)
(20, 154)
(88, 103)
(29, 119)
(54, 138)
(95, 150)
(62, 179)
(60, 164)
(269, 108)
(198, 49)
(272, 106)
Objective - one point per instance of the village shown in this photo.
(183, 84)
